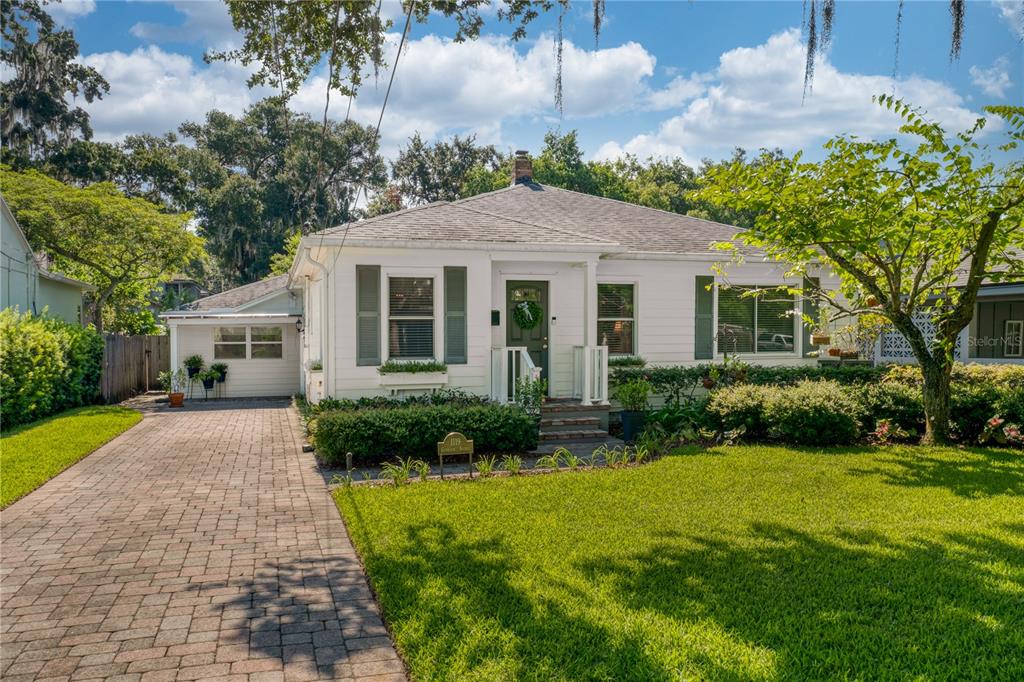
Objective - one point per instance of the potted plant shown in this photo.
(820, 338)
(632, 396)
(316, 366)
(834, 352)
(413, 373)
(173, 384)
(530, 394)
(222, 371)
(208, 377)
(194, 365)
(849, 354)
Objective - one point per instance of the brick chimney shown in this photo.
(522, 169)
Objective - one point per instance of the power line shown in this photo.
(376, 132)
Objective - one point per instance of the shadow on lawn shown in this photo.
(977, 472)
(855, 604)
(457, 614)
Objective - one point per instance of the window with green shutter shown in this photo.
(703, 323)
(755, 324)
(410, 317)
(367, 314)
(455, 342)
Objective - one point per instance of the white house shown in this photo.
(27, 284)
(443, 281)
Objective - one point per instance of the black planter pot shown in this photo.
(632, 424)
(223, 377)
(208, 383)
(193, 371)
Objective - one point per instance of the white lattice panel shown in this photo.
(894, 347)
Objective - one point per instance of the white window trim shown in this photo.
(635, 319)
(437, 275)
(797, 351)
(247, 343)
(1019, 324)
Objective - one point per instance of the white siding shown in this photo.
(246, 378)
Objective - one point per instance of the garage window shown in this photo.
(267, 343)
(229, 343)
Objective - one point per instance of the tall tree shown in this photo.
(36, 116)
(124, 246)
(269, 179)
(427, 172)
(916, 228)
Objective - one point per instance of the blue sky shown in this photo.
(689, 79)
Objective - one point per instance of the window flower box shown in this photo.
(414, 379)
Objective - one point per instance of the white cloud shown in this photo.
(755, 99)
(67, 11)
(208, 22)
(995, 80)
(1012, 12)
(155, 91)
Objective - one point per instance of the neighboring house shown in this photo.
(995, 335)
(443, 281)
(25, 281)
(253, 329)
(176, 292)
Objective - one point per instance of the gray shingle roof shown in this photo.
(445, 221)
(232, 298)
(539, 214)
(637, 228)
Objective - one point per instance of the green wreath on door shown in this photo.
(528, 315)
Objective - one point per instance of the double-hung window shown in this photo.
(410, 317)
(229, 343)
(755, 324)
(1013, 346)
(255, 343)
(616, 317)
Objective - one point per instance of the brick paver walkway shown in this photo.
(201, 544)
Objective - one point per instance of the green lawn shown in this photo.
(746, 563)
(32, 454)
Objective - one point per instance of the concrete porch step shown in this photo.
(562, 423)
(561, 405)
(574, 436)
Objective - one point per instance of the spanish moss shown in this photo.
(812, 48)
(956, 10)
(827, 15)
(598, 20)
(559, 44)
(896, 58)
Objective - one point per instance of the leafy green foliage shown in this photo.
(918, 228)
(600, 575)
(633, 394)
(44, 79)
(812, 413)
(374, 433)
(34, 453)
(626, 361)
(898, 403)
(513, 464)
(46, 365)
(124, 246)
(412, 367)
(426, 172)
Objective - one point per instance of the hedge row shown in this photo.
(46, 366)
(677, 382)
(829, 413)
(415, 431)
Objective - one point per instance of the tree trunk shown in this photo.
(97, 307)
(936, 401)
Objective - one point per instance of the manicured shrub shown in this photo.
(414, 431)
(970, 406)
(901, 404)
(813, 413)
(46, 366)
(741, 407)
(1010, 405)
(1004, 376)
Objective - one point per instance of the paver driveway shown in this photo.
(200, 544)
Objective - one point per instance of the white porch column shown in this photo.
(172, 331)
(590, 303)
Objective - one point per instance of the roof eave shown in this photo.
(439, 244)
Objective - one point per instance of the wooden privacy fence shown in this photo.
(131, 365)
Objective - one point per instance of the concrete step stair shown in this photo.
(562, 423)
(574, 436)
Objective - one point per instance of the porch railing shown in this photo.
(590, 374)
(509, 363)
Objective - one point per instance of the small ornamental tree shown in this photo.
(916, 223)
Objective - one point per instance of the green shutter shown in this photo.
(810, 310)
(367, 314)
(703, 323)
(455, 316)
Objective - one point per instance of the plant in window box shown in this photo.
(194, 365)
(316, 366)
(221, 369)
(398, 373)
(173, 384)
(633, 395)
